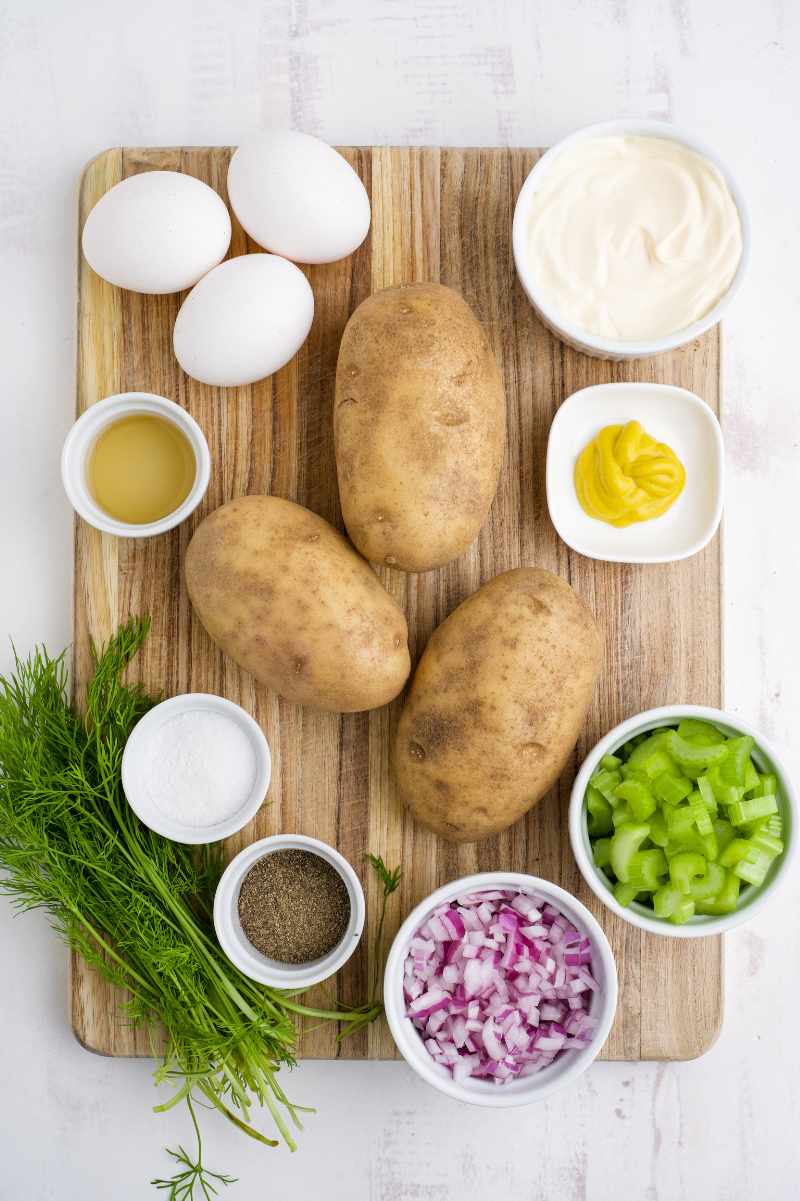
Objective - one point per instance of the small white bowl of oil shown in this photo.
(135, 465)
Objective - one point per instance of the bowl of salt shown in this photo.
(196, 768)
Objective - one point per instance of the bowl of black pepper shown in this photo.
(289, 911)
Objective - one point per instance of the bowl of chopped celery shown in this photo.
(682, 821)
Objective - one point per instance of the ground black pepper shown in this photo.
(293, 906)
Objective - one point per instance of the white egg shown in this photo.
(157, 232)
(244, 320)
(298, 197)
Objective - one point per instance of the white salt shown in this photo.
(202, 767)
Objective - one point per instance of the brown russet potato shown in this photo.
(419, 426)
(496, 704)
(288, 599)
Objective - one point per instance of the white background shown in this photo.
(77, 76)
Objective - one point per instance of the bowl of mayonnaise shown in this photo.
(630, 238)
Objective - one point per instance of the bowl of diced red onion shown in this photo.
(500, 988)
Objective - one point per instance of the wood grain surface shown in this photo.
(436, 215)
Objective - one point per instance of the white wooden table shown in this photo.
(77, 77)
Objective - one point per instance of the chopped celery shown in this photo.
(734, 852)
(707, 793)
(702, 733)
(696, 758)
(645, 869)
(647, 748)
(599, 820)
(624, 845)
(658, 830)
(605, 782)
(625, 893)
(610, 762)
(601, 850)
(758, 806)
(639, 797)
(724, 792)
(622, 815)
(670, 788)
(734, 769)
(680, 821)
(680, 818)
(726, 899)
(657, 764)
(684, 867)
(724, 832)
(752, 780)
(667, 900)
(700, 815)
(704, 888)
(753, 869)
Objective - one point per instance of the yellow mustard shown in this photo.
(624, 475)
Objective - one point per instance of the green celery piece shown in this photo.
(659, 763)
(726, 899)
(700, 844)
(622, 815)
(647, 747)
(610, 762)
(694, 758)
(753, 869)
(707, 793)
(625, 893)
(684, 911)
(658, 830)
(707, 887)
(667, 900)
(700, 815)
(724, 833)
(752, 780)
(735, 852)
(625, 843)
(701, 733)
(639, 797)
(768, 843)
(646, 868)
(724, 792)
(601, 851)
(747, 811)
(671, 788)
(684, 867)
(680, 821)
(768, 784)
(598, 810)
(605, 782)
(734, 769)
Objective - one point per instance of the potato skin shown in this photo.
(419, 426)
(288, 599)
(496, 704)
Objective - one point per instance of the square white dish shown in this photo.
(669, 414)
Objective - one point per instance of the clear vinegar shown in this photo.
(141, 468)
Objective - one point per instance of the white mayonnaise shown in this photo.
(633, 238)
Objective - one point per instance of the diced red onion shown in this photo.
(499, 984)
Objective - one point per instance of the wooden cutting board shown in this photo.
(436, 215)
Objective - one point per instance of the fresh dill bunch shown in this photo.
(136, 906)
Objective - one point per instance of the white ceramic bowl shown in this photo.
(85, 432)
(559, 1073)
(669, 414)
(241, 951)
(591, 344)
(137, 759)
(752, 899)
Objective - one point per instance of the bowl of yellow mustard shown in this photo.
(635, 472)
